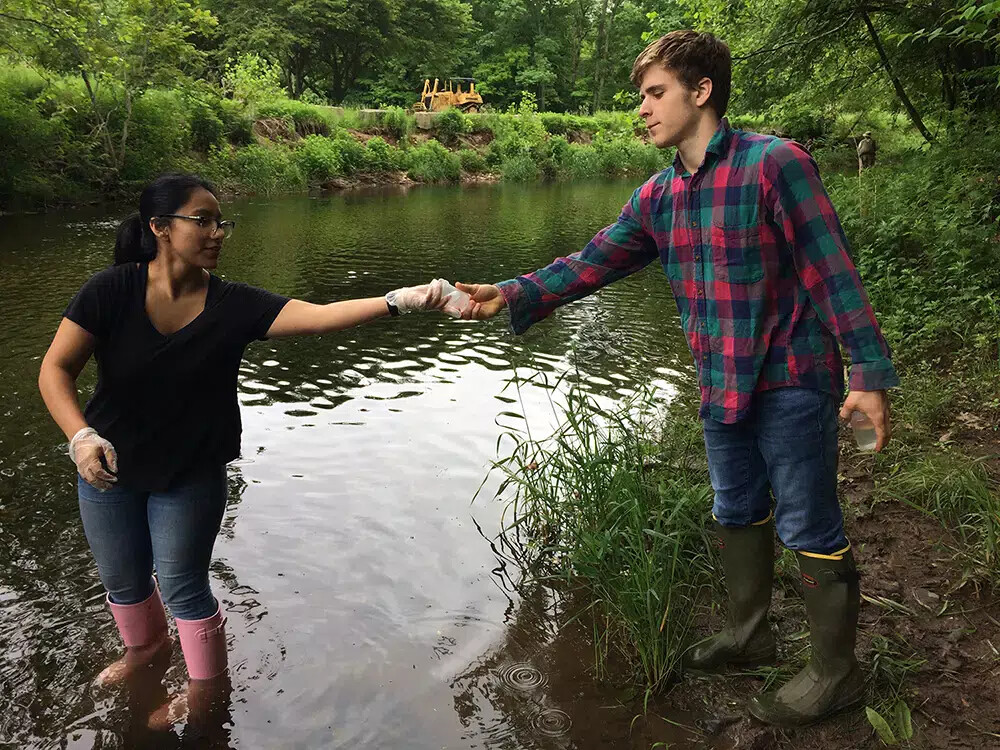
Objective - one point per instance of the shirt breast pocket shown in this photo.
(736, 254)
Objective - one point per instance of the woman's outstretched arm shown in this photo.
(300, 318)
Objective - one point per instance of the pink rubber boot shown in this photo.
(204, 645)
(143, 628)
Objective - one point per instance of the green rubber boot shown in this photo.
(832, 681)
(748, 565)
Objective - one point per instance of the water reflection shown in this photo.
(536, 687)
(356, 584)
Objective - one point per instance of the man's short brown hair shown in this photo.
(691, 56)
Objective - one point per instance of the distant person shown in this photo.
(767, 293)
(866, 151)
(152, 445)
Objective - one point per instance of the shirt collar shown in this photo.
(716, 149)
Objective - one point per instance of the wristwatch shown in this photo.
(393, 310)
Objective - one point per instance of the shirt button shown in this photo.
(694, 223)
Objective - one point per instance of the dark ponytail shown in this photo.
(136, 242)
(132, 243)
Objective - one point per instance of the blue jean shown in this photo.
(787, 446)
(130, 532)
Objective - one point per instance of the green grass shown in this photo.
(432, 162)
(937, 466)
(888, 710)
(955, 490)
(613, 505)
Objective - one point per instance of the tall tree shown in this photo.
(119, 48)
(333, 45)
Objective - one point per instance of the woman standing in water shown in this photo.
(152, 445)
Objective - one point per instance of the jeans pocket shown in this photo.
(736, 254)
(92, 494)
(792, 414)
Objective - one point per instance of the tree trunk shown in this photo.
(599, 83)
(334, 92)
(599, 62)
(948, 95)
(900, 91)
(296, 73)
(580, 33)
(100, 123)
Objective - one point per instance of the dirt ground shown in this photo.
(913, 596)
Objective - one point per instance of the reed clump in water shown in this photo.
(613, 505)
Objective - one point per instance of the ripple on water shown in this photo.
(521, 676)
(552, 722)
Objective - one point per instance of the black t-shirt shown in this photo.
(168, 404)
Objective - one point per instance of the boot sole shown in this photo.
(856, 703)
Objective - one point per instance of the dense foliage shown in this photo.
(96, 97)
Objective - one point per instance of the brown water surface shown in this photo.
(365, 607)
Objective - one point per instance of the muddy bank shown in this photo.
(399, 179)
(921, 619)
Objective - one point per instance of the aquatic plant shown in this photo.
(614, 504)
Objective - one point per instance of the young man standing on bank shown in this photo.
(758, 264)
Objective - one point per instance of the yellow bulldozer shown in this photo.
(449, 94)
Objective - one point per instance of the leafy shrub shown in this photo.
(207, 128)
(520, 168)
(318, 158)
(311, 97)
(398, 123)
(554, 123)
(800, 121)
(618, 124)
(518, 136)
(255, 168)
(432, 162)
(449, 125)
(472, 161)
(924, 241)
(305, 119)
(252, 80)
(352, 153)
(626, 155)
(25, 141)
(236, 122)
(556, 153)
(381, 157)
(478, 123)
(159, 133)
(21, 82)
(582, 162)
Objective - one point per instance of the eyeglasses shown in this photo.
(207, 222)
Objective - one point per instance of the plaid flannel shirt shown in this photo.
(759, 267)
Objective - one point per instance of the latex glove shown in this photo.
(87, 449)
(456, 302)
(424, 297)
